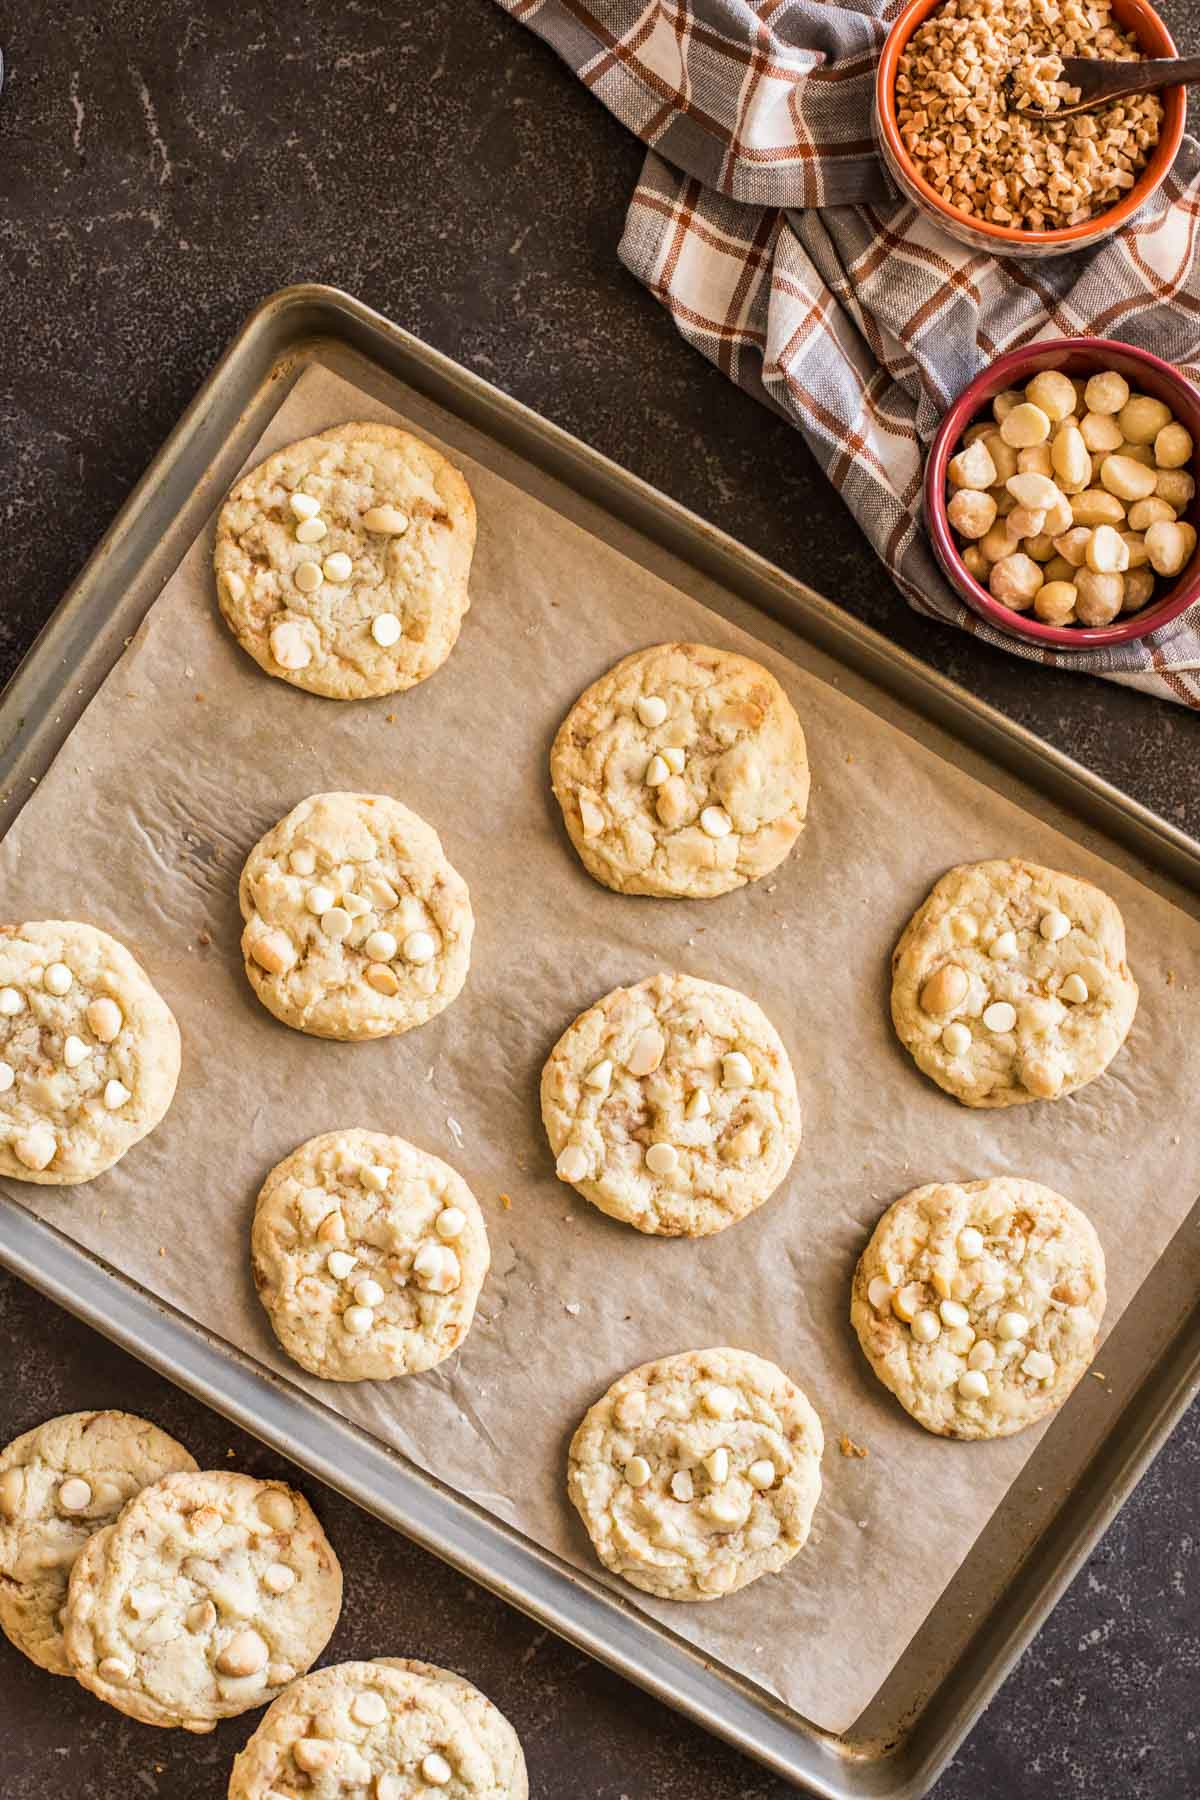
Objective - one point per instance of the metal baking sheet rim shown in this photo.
(86, 630)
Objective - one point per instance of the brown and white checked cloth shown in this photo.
(765, 223)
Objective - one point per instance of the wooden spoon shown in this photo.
(1100, 82)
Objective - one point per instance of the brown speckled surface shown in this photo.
(163, 165)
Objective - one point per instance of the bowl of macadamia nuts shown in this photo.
(1060, 493)
(956, 85)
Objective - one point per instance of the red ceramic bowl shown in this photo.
(1074, 356)
(1135, 16)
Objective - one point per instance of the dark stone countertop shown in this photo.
(163, 166)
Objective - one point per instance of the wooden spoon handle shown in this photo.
(1098, 78)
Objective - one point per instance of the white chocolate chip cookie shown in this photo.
(384, 1729)
(697, 1474)
(978, 1303)
(59, 1483)
(1010, 984)
(357, 926)
(368, 1255)
(210, 1593)
(342, 561)
(89, 1052)
(682, 772)
(672, 1106)
(491, 1727)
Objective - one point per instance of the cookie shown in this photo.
(342, 561)
(485, 1718)
(1010, 984)
(697, 1474)
(89, 1052)
(672, 1106)
(59, 1483)
(368, 1255)
(682, 772)
(978, 1303)
(210, 1593)
(356, 924)
(384, 1728)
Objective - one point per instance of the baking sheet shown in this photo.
(188, 753)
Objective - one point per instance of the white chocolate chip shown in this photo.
(420, 947)
(387, 630)
(953, 1313)
(311, 531)
(336, 922)
(1000, 1016)
(1074, 989)
(368, 1292)
(375, 1177)
(572, 1164)
(314, 1754)
(657, 771)
(278, 1578)
(717, 1465)
(599, 1077)
(337, 566)
(388, 521)
(1004, 945)
(973, 1385)
(761, 1474)
(104, 1019)
(308, 577)
(358, 1320)
(11, 1002)
(982, 1356)
(719, 1402)
(450, 1223)
(661, 1159)
(57, 979)
(381, 946)
(277, 1509)
(319, 899)
(437, 1268)
(75, 1051)
(736, 1070)
(369, 1708)
(956, 1038)
(1054, 925)
(74, 1494)
(7, 1076)
(435, 1769)
(243, 1655)
(682, 1486)
(715, 822)
(879, 1293)
(235, 587)
(1038, 1366)
(113, 1670)
(925, 1327)
(647, 1051)
(289, 646)
(637, 1471)
(116, 1094)
(970, 1243)
(698, 1106)
(304, 506)
(591, 818)
(651, 710)
(1011, 1326)
(340, 1263)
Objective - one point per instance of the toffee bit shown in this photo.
(506, 1202)
(203, 937)
(848, 1447)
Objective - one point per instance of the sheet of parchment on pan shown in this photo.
(189, 752)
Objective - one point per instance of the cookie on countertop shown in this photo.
(697, 1474)
(682, 772)
(342, 561)
(978, 1303)
(89, 1052)
(357, 926)
(1009, 983)
(210, 1593)
(672, 1106)
(368, 1255)
(491, 1727)
(59, 1483)
(381, 1728)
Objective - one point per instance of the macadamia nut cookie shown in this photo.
(1010, 983)
(59, 1483)
(342, 561)
(978, 1304)
(385, 1729)
(89, 1052)
(697, 1474)
(672, 1106)
(368, 1255)
(683, 772)
(357, 926)
(210, 1593)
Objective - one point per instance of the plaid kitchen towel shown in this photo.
(764, 222)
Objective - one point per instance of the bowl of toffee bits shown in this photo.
(956, 143)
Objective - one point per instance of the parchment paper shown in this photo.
(189, 753)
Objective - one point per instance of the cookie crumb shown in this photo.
(571, 1306)
(203, 937)
(1170, 978)
(848, 1447)
(391, 718)
(506, 1202)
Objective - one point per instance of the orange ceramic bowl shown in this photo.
(1135, 16)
